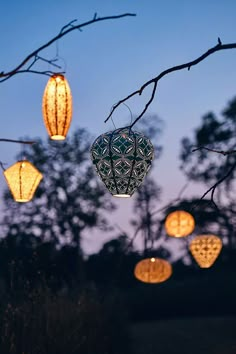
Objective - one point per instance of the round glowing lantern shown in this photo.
(153, 270)
(57, 107)
(22, 179)
(205, 249)
(179, 223)
(122, 159)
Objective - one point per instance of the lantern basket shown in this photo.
(122, 159)
(205, 249)
(179, 223)
(153, 270)
(57, 107)
(22, 179)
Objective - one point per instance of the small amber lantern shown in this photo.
(205, 249)
(179, 223)
(153, 270)
(22, 179)
(57, 107)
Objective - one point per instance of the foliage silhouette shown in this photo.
(69, 200)
(209, 167)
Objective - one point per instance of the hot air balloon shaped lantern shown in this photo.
(122, 159)
(205, 249)
(179, 224)
(153, 270)
(22, 179)
(57, 107)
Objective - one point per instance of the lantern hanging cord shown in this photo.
(113, 120)
(131, 115)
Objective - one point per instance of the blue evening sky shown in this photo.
(109, 60)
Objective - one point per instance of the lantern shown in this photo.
(205, 249)
(179, 224)
(57, 107)
(153, 270)
(22, 179)
(122, 159)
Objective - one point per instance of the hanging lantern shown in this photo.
(122, 159)
(22, 179)
(179, 223)
(57, 107)
(153, 270)
(205, 249)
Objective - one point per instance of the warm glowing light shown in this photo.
(22, 179)
(57, 107)
(179, 224)
(153, 270)
(205, 249)
(122, 159)
(122, 195)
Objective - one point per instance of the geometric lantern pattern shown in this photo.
(179, 224)
(122, 158)
(22, 179)
(57, 107)
(205, 249)
(153, 270)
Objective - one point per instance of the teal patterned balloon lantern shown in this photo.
(122, 159)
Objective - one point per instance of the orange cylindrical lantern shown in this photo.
(179, 223)
(22, 179)
(153, 270)
(205, 249)
(57, 107)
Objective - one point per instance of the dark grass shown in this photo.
(201, 335)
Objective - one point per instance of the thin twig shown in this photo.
(27, 142)
(2, 165)
(213, 188)
(155, 80)
(173, 201)
(222, 152)
(63, 32)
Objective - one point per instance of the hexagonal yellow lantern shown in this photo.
(205, 249)
(179, 223)
(22, 179)
(153, 270)
(57, 107)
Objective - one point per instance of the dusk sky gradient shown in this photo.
(109, 60)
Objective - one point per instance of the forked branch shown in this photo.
(212, 189)
(26, 65)
(156, 79)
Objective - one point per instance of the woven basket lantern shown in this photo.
(179, 224)
(153, 270)
(122, 159)
(205, 249)
(22, 179)
(57, 107)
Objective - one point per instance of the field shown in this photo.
(215, 335)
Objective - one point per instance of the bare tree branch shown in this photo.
(222, 152)
(213, 188)
(155, 80)
(27, 142)
(63, 32)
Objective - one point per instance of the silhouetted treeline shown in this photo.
(27, 265)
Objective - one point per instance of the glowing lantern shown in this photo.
(22, 179)
(122, 159)
(205, 249)
(57, 107)
(153, 270)
(179, 224)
